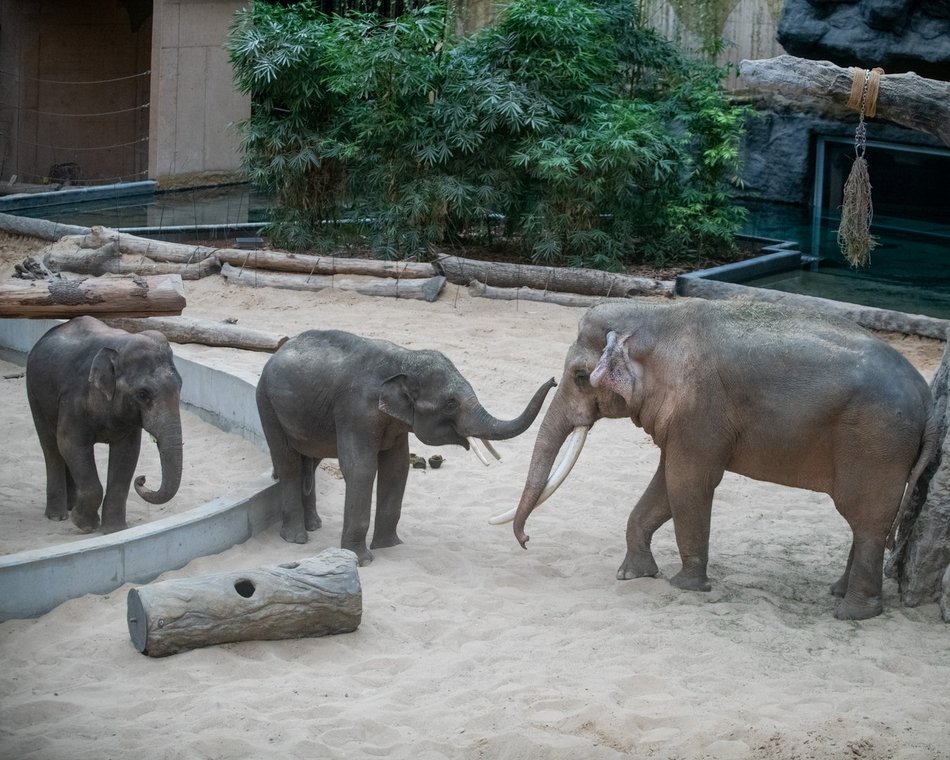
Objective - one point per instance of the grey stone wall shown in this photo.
(778, 151)
(897, 35)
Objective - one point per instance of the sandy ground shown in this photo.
(469, 646)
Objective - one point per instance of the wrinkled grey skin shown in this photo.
(333, 394)
(769, 393)
(88, 383)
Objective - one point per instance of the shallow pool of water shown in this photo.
(908, 271)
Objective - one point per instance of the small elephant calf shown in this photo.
(88, 383)
(332, 394)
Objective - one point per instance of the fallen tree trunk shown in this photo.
(38, 228)
(589, 282)
(481, 290)
(867, 316)
(921, 561)
(312, 597)
(108, 260)
(126, 295)
(189, 330)
(157, 250)
(331, 265)
(906, 99)
(422, 290)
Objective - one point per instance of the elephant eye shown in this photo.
(582, 379)
(452, 405)
(144, 395)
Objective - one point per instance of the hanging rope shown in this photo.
(854, 232)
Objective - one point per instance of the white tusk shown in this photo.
(575, 443)
(491, 449)
(504, 517)
(477, 451)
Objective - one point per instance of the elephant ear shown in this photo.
(397, 400)
(614, 370)
(102, 372)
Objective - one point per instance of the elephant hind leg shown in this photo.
(289, 466)
(869, 509)
(308, 495)
(862, 597)
(840, 587)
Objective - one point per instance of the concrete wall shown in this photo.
(194, 100)
(73, 90)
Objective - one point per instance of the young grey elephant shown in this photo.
(88, 383)
(328, 394)
(767, 392)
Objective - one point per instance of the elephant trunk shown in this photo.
(169, 441)
(484, 426)
(540, 482)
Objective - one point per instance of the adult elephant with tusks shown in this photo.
(761, 390)
(332, 394)
(88, 383)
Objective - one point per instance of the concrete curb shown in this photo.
(34, 582)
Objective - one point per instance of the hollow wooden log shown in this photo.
(422, 290)
(906, 99)
(122, 295)
(312, 597)
(38, 228)
(107, 259)
(204, 332)
(590, 282)
(305, 264)
(481, 290)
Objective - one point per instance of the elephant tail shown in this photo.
(928, 450)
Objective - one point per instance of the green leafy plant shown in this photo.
(570, 129)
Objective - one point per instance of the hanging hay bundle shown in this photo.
(854, 232)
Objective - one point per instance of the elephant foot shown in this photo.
(56, 514)
(858, 608)
(293, 535)
(312, 522)
(364, 555)
(85, 523)
(114, 527)
(840, 587)
(637, 565)
(691, 581)
(385, 541)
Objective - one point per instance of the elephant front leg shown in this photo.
(57, 485)
(123, 456)
(359, 472)
(651, 511)
(393, 472)
(691, 484)
(81, 461)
